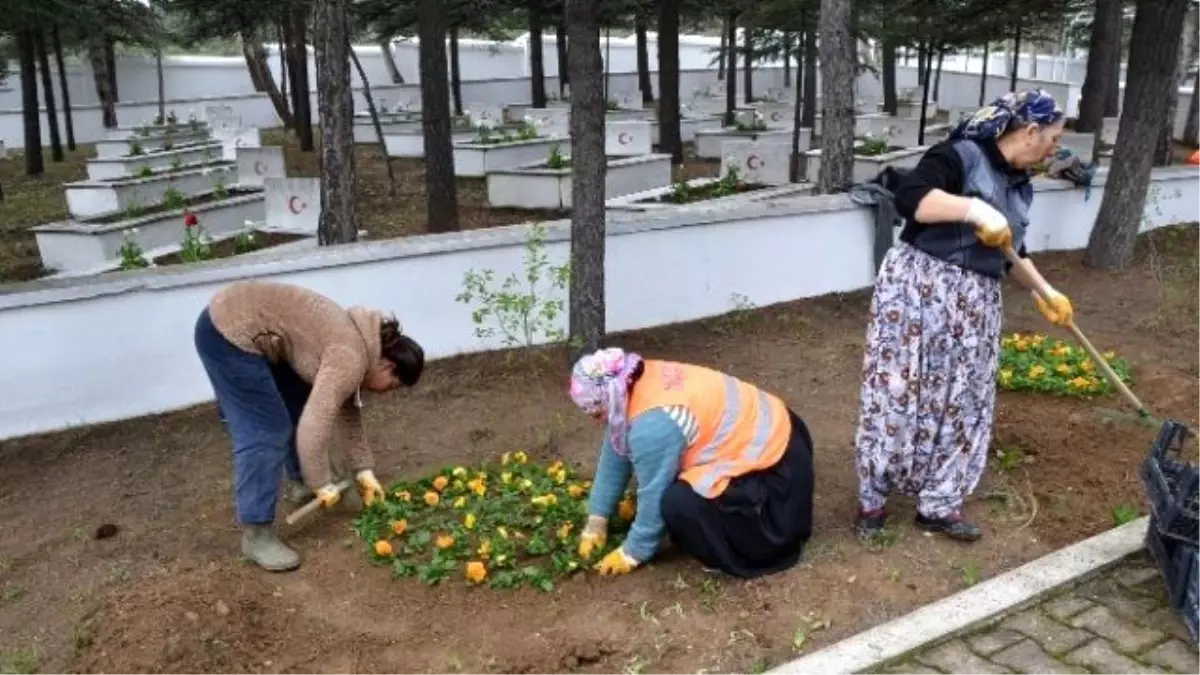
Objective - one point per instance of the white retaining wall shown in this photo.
(139, 357)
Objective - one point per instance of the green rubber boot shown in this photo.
(263, 547)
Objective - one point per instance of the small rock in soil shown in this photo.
(222, 608)
(191, 616)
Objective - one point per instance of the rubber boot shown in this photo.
(263, 547)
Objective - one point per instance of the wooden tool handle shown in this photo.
(1099, 359)
(313, 505)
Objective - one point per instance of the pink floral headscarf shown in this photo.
(600, 384)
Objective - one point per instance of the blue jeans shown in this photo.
(260, 404)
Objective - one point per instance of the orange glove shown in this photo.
(1056, 307)
(593, 537)
(368, 487)
(616, 563)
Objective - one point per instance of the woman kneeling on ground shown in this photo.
(287, 366)
(724, 468)
(933, 343)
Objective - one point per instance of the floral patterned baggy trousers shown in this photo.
(929, 382)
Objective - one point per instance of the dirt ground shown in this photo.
(34, 201)
(168, 594)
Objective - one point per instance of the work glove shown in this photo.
(368, 487)
(991, 227)
(593, 537)
(1056, 307)
(329, 495)
(617, 562)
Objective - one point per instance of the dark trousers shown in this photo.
(759, 524)
(260, 404)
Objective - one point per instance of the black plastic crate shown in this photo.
(1172, 482)
(1178, 563)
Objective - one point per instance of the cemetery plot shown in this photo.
(479, 156)
(135, 142)
(548, 184)
(92, 199)
(144, 164)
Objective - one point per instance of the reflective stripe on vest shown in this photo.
(764, 424)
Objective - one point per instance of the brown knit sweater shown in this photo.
(329, 346)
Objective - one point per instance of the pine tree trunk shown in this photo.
(441, 190)
(100, 77)
(62, 84)
(889, 76)
(35, 164)
(110, 66)
(387, 163)
(455, 73)
(920, 64)
(537, 64)
(722, 48)
(1016, 62)
(812, 18)
(1164, 154)
(389, 61)
(837, 60)
(298, 53)
(1112, 93)
(669, 137)
(161, 84)
(937, 76)
(560, 46)
(256, 61)
(588, 170)
(43, 57)
(747, 64)
(1105, 39)
(1191, 127)
(787, 60)
(983, 77)
(643, 60)
(731, 65)
(338, 222)
(797, 113)
(1153, 54)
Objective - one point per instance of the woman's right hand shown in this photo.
(593, 537)
(991, 227)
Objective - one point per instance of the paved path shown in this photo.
(1118, 622)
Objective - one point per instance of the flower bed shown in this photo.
(143, 164)
(728, 191)
(1035, 362)
(709, 142)
(135, 143)
(94, 199)
(548, 184)
(477, 157)
(511, 524)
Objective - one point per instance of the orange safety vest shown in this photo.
(741, 427)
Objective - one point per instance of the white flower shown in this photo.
(486, 124)
(250, 224)
(133, 231)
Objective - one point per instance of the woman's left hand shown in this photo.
(616, 562)
(1056, 307)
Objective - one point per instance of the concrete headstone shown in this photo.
(255, 165)
(293, 204)
(552, 122)
(233, 137)
(627, 100)
(777, 115)
(627, 138)
(763, 162)
(479, 112)
(220, 115)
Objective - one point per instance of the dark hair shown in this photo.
(407, 357)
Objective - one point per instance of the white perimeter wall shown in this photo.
(138, 356)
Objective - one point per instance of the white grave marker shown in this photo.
(293, 204)
(220, 115)
(625, 139)
(255, 165)
(233, 137)
(552, 122)
(763, 162)
(626, 100)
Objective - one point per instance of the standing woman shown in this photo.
(287, 366)
(929, 372)
(723, 468)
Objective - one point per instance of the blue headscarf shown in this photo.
(1030, 106)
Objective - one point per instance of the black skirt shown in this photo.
(759, 524)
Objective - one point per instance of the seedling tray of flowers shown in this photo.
(508, 524)
(1171, 483)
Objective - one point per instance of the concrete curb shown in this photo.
(973, 606)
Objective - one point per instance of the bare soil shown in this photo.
(167, 592)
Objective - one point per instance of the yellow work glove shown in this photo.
(329, 495)
(1056, 307)
(368, 487)
(593, 537)
(616, 563)
(991, 227)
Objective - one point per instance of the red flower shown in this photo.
(190, 220)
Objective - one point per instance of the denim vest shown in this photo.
(1009, 194)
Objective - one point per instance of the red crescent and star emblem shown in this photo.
(292, 204)
(259, 167)
(624, 138)
(754, 162)
(775, 116)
